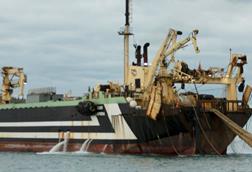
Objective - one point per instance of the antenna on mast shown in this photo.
(127, 13)
(126, 33)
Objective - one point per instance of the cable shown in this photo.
(203, 132)
(171, 142)
(201, 128)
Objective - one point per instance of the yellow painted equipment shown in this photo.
(8, 84)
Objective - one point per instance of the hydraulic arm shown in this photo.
(8, 84)
(169, 46)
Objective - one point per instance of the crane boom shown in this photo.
(169, 47)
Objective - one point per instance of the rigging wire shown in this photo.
(173, 145)
(170, 140)
(201, 127)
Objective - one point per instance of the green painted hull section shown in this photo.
(100, 100)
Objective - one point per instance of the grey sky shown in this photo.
(74, 44)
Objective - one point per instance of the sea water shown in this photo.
(76, 162)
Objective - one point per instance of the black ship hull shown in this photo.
(117, 128)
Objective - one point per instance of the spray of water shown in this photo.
(85, 145)
(61, 145)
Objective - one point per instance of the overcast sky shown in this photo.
(73, 44)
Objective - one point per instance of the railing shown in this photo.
(223, 105)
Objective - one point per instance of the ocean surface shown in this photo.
(74, 162)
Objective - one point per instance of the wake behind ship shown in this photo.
(147, 114)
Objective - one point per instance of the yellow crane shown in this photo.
(158, 86)
(169, 46)
(214, 75)
(146, 74)
(9, 84)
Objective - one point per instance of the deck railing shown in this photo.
(223, 105)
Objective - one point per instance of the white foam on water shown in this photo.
(57, 147)
(85, 146)
(104, 148)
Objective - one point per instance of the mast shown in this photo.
(126, 33)
(126, 44)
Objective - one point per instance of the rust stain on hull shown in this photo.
(169, 146)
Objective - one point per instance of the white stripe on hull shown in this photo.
(121, 129)
(93, 122)
(47, 135)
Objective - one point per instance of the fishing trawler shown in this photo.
(144, 115)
